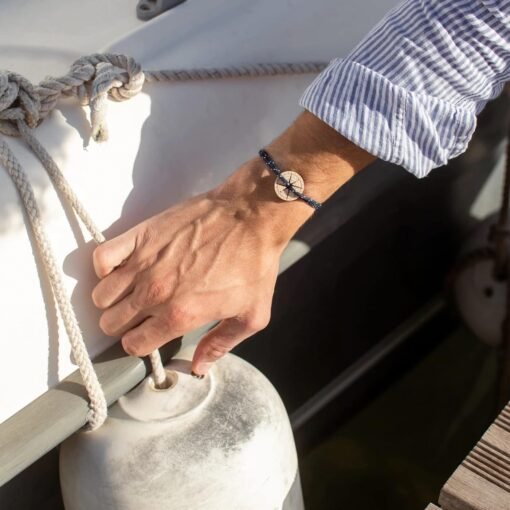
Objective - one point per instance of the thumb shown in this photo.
(113, 253)
(221, 340)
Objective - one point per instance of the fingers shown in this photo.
(121, 317)
(147, 337)
(113, 253)
(166, 324)
(148, 299)
(114, 287)
(224, 337)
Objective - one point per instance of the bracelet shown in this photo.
(288, 185)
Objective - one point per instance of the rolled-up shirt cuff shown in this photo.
(413, 130)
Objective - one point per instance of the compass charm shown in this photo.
(286, 192)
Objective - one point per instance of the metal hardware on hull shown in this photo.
(148, 9)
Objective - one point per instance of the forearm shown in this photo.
(323, 157)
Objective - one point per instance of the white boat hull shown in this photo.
(167, 144)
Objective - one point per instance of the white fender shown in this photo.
(479, 297)
(220, 443)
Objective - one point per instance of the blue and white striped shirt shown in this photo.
(410, 91)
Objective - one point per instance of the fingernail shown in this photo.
(197, 376)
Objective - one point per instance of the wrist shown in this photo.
(249, 193)
(324, 159)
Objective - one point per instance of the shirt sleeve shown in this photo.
(410, 91)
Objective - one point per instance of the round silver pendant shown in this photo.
(297, 183)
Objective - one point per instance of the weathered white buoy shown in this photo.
(479, 297)
(220, 443)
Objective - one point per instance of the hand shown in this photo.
(214, 257)
(206, 259)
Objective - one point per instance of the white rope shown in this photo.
(91, 79)
(98, 407)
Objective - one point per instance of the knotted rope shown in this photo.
(92, 80)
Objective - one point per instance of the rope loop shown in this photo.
(19, 101)
(116, 76)
(94, 78)
(91, 79)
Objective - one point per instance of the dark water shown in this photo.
(399, 450)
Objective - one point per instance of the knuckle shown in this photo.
(155, 293)
(99, 259)
(148, 295)
(257, 321)
(177, 317)
(215, 350)
(146, 235)
(161, 324)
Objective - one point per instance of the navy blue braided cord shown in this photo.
(270, 163)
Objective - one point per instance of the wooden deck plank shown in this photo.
(482, 481)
